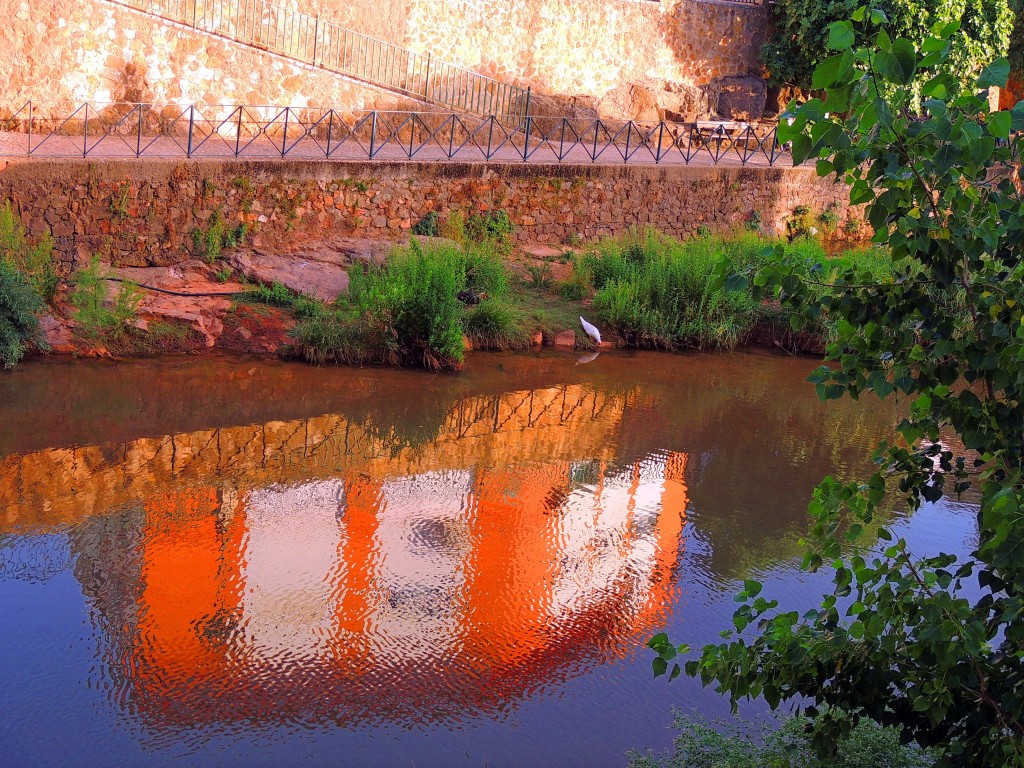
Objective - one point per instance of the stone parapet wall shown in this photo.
(136, 213)
(614, 58)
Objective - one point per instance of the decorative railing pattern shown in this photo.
(124, 129)
(321, 43)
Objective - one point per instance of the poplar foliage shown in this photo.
(899, 640)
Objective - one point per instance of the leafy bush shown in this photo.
(657, 291)
(428, 226)
(19, 303)
(494, 227)
(495, 324)
(800, 33)
(407, 311)
(701, 744)
(35, 261)
(931, 645)
(97, 313)
(404, 311)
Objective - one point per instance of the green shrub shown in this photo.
(495, 324)
(407, 311)
(428, 226)
(494, 225)
(97, 313)
(403, 311)
(661, 292)
(19, 325)
(701, 744)
(34, 260)
(657, 291)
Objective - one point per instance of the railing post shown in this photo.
(138, 136)
(373, 131)
(490, 135)
(238, 131)
(526, 144)
(330, 131)
(29, 153)
(528, 91)
(316, 36)
(191, 129)
(426, 81)
(629, 129)
(284, 139)
(661, 136)
(195, 12)
(85, 132)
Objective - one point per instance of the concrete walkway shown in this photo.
(729, 154)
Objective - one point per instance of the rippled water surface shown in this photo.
(236, 563)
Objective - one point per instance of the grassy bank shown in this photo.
(644, 289)
(427, 303)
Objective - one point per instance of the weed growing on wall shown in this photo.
(219, 235)
(33, 260)
(428, 226)
(119, 201)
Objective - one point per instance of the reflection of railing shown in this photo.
(123, 129)
(320, 43)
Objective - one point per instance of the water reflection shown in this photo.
(361, 548)
(413, 599)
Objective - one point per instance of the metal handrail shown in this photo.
(320, 43)
(128, 129)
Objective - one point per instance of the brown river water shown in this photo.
(236, 562)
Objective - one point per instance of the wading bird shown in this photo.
(592, 331)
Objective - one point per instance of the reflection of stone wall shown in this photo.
(622, 59)
(545, 425)
(292, 201)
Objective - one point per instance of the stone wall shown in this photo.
(139, 213)
(616, 58)
(60, 53)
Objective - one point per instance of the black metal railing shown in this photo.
(122, 129)
(320, 43)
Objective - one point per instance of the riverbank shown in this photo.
(422, 301)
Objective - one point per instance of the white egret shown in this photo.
(592, 331)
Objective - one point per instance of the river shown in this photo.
(237, 562)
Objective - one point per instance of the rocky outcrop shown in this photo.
(188, 293)
(741, 98)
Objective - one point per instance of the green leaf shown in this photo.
(801, 148)
(840, 35)
(736, 283)
(999, 124)
(995, 74)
